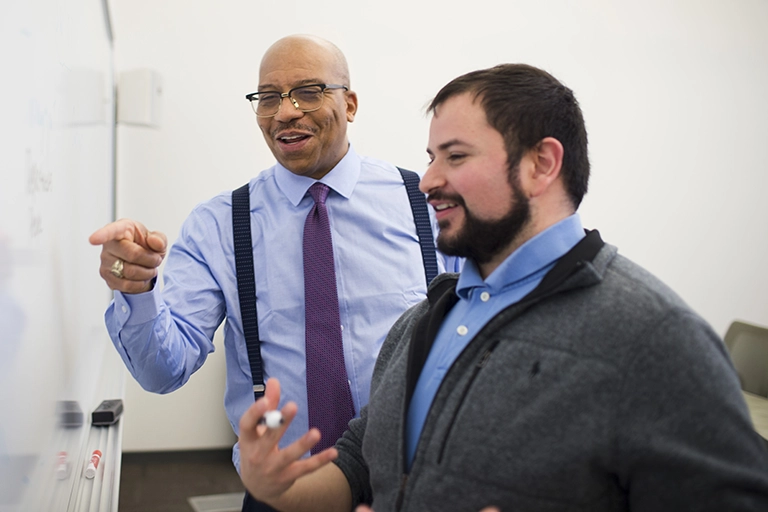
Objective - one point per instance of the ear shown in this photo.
(546, 159)
(351, 99)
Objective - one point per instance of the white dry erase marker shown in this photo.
(272, 419)
(93, 464)
(62, 466)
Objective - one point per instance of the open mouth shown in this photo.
(292, 139)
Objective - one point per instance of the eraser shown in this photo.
(69, 413)
(107, 413)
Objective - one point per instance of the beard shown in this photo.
(481, 240)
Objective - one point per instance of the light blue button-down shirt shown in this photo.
(480, 301)
(163, 337)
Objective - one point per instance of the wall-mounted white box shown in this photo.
(139, 97)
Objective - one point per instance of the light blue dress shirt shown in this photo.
(480, 301)
(165, 336)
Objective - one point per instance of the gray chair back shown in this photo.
(748, 346)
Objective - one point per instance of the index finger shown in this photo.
(123, 229)
(250, 418)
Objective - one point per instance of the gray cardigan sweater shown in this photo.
(600, 391)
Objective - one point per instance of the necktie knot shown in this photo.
(319, 191)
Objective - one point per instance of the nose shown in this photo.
(288, 112)
(432, 179)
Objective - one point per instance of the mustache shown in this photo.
(442, 196)
(291, 126)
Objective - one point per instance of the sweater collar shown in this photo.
(584, 265)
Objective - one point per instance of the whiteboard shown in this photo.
(57, 186)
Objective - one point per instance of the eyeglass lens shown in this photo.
(306, 99)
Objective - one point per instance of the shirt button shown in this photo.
(125, 309)
(462, 330)
(485, 296)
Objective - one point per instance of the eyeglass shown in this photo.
(306, 98)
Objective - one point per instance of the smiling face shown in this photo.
(479, 204)
(308, 144)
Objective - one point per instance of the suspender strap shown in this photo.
(246, 284)
(423, 225)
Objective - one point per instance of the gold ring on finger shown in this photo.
(117, 269)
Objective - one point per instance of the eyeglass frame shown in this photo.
(324, 87)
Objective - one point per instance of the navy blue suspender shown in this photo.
(423, 225)
(246, 284)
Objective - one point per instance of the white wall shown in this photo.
(673, 93)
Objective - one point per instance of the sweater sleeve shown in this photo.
(684, 438)
(351, 461)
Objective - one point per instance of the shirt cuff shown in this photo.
(138, 308)
(236, 456)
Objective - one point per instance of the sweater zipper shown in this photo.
(401, 493)
(479, 366)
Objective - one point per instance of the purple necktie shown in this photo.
(328, 396)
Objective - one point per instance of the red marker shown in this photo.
(93, 464)
(62, 466)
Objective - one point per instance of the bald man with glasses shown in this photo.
(376, 264)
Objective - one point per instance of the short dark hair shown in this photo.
(525, 105)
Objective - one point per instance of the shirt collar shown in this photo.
(341, 178)
(539, 252)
